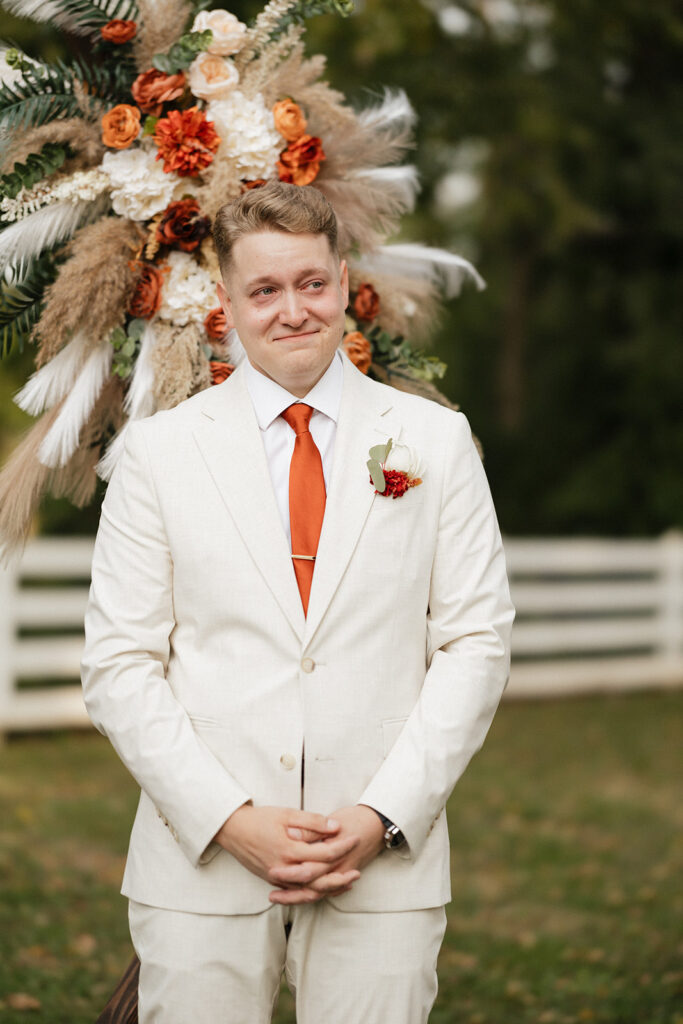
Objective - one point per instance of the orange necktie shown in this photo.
(306, 497)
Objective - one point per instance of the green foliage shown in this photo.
(21, 304)
(126, 345)
(378, 456)
(37, 166)
(93, 14)
(399, 353)
(304, 9)
(182, 53)
(47, 91)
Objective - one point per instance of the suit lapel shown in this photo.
(366, 418)
(230, 443)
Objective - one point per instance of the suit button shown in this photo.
(308, 664)
(288, 761)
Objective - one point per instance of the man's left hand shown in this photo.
(359, 821)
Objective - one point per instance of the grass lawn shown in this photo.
(567, 867)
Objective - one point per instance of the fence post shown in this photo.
(9, 578)
(671, 613)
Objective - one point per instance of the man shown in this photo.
(296, 719)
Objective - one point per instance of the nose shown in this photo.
(293, 311)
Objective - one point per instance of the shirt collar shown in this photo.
(270, 399)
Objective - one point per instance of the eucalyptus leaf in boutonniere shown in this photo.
(393, 469)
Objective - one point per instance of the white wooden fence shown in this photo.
(591, 615)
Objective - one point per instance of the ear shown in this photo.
(344, 281)
(225, 302)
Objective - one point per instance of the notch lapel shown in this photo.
(366, 417)
(229, 440)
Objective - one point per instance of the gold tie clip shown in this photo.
(309, 558)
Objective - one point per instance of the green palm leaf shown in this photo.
(21, 304)
(93, 14)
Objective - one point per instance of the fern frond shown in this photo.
(82, 17)
(48, 91)
(21, 304)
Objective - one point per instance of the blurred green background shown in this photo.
(549, 148)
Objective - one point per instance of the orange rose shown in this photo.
(358, 349)
(220, 371)
(289, 120)
(300, 162)
(216, 325)
(366, 303)
(147, 297)
(181, 225)
(121, 126)
(153, 88)
(118, 31)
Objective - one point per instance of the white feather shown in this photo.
(52, 10)
(20, 242)
(107, 464)
(394, 108)
(53, 381)
(413, 260)
(61, 441)
(138, 403)
(139, 400)
(401, 182)
(236, 353)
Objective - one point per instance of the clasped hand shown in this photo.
(307, 856)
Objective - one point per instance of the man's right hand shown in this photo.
(258, 838)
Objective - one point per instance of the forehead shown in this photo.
(280, 251)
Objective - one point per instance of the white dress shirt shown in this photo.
(270, 400)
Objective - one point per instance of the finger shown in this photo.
(305, 834)
(335, 882)
(327, 852)
(289, 897)
(318, 823)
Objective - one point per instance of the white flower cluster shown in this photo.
(139, 186)
(188, 292)
(78, 187)
(248, 135)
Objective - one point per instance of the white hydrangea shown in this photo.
(248, 135)
(188, 293)
(139, 185)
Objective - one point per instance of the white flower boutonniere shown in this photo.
(393, 468)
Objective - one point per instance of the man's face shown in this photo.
(286, 296)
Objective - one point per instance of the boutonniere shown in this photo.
(393, 469)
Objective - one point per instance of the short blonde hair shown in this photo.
(275, 206)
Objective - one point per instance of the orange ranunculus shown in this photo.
(121, 126)
(153, 88)
(118, 31)
(358, 349)
(186, 141)
(147, 297)
(220, 371)
(300, 162)
(216, 325)
(289, 120)
(366, 303)
(181, 225)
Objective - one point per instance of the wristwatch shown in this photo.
(393, 837)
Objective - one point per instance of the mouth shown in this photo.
(296, 336)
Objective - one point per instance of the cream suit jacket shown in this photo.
(202, 670)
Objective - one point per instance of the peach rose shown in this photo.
(121, 126)
(228, 33)
(220, 371)
(289, 120)
(300, 162)
(358, 349)
(216, 325)
(118, 31)
(147, 297)
(153, 88)
(366, 303)
(212, 77)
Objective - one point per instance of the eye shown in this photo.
(316, 285)
(266, 291)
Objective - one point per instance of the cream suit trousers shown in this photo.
(345, 968)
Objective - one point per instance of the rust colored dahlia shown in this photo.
(186, 141)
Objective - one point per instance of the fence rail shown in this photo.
(592, 614)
